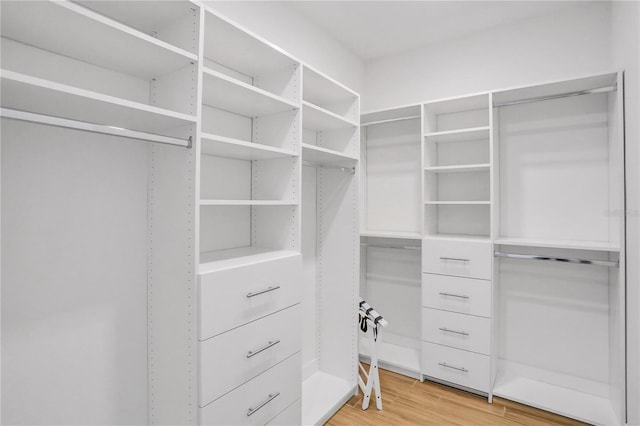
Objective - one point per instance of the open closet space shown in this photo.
(344, 213)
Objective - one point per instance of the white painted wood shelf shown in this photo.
(459, 237)
(318, 119)
(560, 244)
(322, 395)
(320, 90)
(36, 95)
(71, 30)
(215, 202)
(392, 234)
(459, 168)
(458, 203)
(459, 135)
(320, 155)
(216, 260)
(561, 400)
(243, 150)
(230, 94)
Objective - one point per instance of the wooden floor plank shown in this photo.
(406, 401)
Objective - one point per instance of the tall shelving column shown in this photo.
(391, 233)
(457, 257)
(330, 153)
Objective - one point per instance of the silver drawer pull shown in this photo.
(258, 293)
(444, 364)
(461, 296)
(264, 348)
(270, 398)
(455, 259)
(448, 330)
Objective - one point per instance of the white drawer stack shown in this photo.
(456, 311)
(249, 343)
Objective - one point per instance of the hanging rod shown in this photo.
(558, 96)
(610, 263)
(398, 247)
(351, 170)
(390, 120)
(51, 120)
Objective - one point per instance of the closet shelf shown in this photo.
(71, 30)
(560, 244)
(567, 402)
(30, 94)
(243, 150)
(459, 135)
(322, 395)
(216, 260)
(247, 203)
(227, 93)
(228, 45)
(459, 237)
(321, 90)
(392, 234)
(317, 118)
(320, 155)
(458, 203)
(459, 168)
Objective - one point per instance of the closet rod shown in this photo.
(390, 120)
(351, 170)
(51, 120)
(558, 96)
(391, 246)
(611, 263)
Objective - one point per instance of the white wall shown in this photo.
(291, 31)
(625, 19)
(553, 47)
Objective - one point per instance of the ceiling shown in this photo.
(372, 29)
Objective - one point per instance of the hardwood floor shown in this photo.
(406, 401)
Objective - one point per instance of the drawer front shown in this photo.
(235, 357)
(233, 297)
(259, 400)
(456, 366)
(462, 258)
(292, 416)
(460, 331)
(464, 295)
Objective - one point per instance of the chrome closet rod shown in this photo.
(610, 263)
(351, 170)
(558, 96)
(51, 120)
(391, 246)
(390, 120)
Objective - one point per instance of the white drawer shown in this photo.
(291, 416)
(459, 257)
(464, 295)
(232, 297)
(232, 358)
(461, 331)
(259, 400)
(456, 366)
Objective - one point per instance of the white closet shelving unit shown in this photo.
(523, 246)
(330, 153)
(391, 218)
(207, 231)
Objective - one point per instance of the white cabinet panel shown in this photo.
(232, 297)
(464, 295)
(292, 416)
(234, 357)
(460, 331)
(456, 366)
(459, 257)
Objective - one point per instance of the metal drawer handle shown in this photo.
(444, 364)
(447, 330)
(266, 290)
(461, 296)
(270, 398)
(456, 259)
(264, 348)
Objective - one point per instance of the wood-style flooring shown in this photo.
(406, 401)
